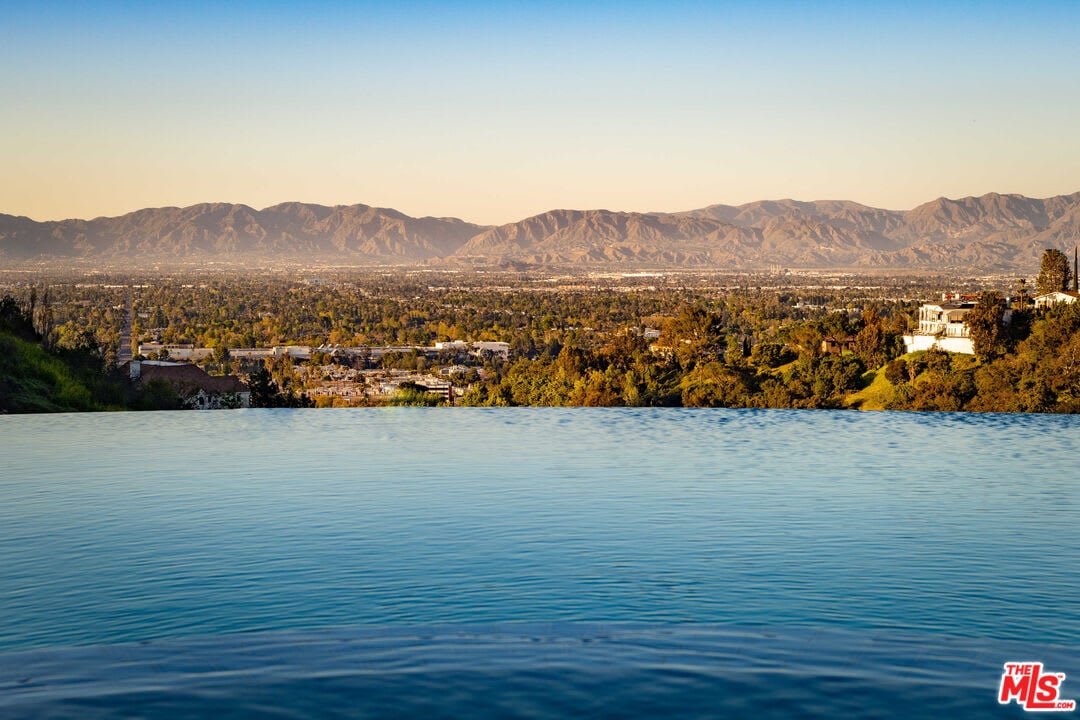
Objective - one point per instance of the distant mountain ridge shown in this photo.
(228, 230)
(991, 232)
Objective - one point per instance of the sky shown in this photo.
(495, 111)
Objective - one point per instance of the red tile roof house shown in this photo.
(197, 389)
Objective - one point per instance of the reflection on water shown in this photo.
(119, 528)
(530, 671)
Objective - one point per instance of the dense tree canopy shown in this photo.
(656, 341)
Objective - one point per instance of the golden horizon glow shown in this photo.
(491, 117)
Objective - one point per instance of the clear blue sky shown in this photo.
(493, 111)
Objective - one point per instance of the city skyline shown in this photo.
(492, 112)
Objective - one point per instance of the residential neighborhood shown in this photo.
(479, 350)
(328, 374)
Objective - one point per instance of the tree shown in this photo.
(716, 385)
(986, 326)
(1054, 272)
(696, 335)
(771, 355)
(1021, 294)
(264, 391)
(409, 393)
(622, 348)
(221, 357)
(835, 375)
(896, 371)
(805, 338)
(16, 320)
(870, 342)
(837, 324)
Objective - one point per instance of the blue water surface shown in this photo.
(223, 527)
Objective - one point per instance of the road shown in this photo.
(123, 353)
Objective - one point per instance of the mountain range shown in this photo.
(980, 234)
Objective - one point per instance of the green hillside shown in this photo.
(32, 380)
(38, 378)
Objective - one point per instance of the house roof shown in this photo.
(189, 379)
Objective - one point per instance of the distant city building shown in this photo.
(480, 348)
(174, 352)
(494, 349)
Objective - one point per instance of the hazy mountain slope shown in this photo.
(227, 230)
(574, 236)
(992, 232)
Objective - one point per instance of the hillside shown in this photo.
(347, 233)
(36, 376)
(979, 234)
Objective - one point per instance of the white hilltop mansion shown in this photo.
(942, 325)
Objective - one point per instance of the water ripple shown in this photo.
(132, 526)
(523, 671)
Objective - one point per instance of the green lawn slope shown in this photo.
(874, 395)
(31, 380)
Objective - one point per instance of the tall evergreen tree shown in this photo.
(1054, 272)
(264, 391)
(986, 325)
